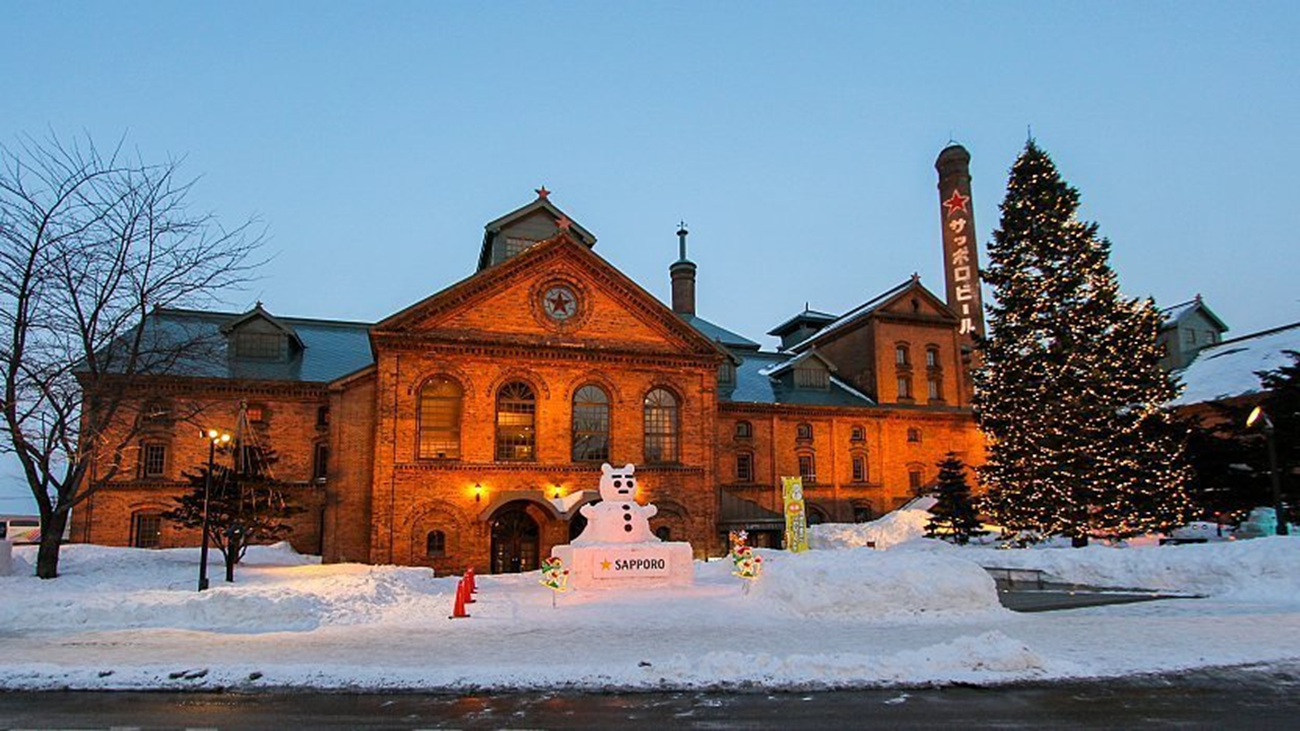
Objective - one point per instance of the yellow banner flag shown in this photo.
(796, 521)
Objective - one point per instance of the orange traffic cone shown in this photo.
(468, 581)
(458, 609)
(469, 576)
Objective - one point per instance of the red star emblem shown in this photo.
(957, 202)
(563, 223)
(542, 192)
(559, 303)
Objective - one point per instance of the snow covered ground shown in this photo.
(920, 613)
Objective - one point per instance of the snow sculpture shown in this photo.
(617, 549)
(617, 518)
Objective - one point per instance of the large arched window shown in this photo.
(516, 422)
(660, 426)
(435, 544)
(590, 424)
(440, 407)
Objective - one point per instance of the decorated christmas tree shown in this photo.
(954, 515)
(1070, 392)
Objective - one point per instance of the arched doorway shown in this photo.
(514, 541)
(577, 524)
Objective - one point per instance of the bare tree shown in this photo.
(90, 244)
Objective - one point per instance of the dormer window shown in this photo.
(727, 373)
(811, 376)
(259, 345)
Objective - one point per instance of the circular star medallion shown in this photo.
(559, 303)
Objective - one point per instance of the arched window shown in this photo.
(660, 426)
(859, 468)
(435, 544)
(904, 387)
(516, 422)
(932, 356)
(901, 355)
(914, 435)
(744, 430)
(808, 468)
(744, 467)
(590, 424)
(440, 408)
(862, 513)
(934, 388)
(803, 431)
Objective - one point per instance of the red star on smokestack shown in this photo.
(957, 202)
(542, 192)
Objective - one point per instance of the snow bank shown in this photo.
(889, 530)
(1262, 569)
(862, 583)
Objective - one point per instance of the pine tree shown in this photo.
(954, 516)
(1070, 392)
(1283, 407)
(246, 505)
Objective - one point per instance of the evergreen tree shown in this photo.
(246, 505)
(1283, 407)
(1070, 392)
(954, 516)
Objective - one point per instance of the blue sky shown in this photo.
(796, 139)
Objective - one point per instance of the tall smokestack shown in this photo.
(683, 274)
(960, 254)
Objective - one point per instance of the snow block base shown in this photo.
(6, 558)
(628, 565)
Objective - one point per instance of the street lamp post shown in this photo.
(214, 437)
(1257, 415)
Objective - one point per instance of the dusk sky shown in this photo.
(797, 140)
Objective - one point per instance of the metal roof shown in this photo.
(753, 385)
(719, 334)
(1174, 313)
(807, 316)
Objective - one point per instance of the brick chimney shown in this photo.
(683, 274)
(960, 254)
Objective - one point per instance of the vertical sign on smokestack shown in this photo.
(960, 255)
(683, 274)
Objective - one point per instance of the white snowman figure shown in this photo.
(617, 518)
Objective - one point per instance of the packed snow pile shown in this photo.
(862, 583)
(901, 525)
(277, 590)
(1263, 569)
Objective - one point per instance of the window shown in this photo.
(590, 424)
(859, 468)
(516, 419)
(863, 514)
(931, 357)
(664, 533)
(935, 386)
(744, 467)
(808, 468)
(320, 462)
(256, 413)
(811, 377)
(727, 373)
(1191, 337)
(914, 478)
(146, 530)
(153, 460)
(914, 435)
(322, 416)
(904, 387)
(440, 408)
(858, 434)
(660, 426)
(435, 544)
(515, 244)
(744, 430)
(803, 431)
(155, 413)
(259, 346)
(901, 355)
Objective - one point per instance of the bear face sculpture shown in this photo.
(617, 518)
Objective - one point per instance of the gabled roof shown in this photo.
(1228, 369)
(756, 384)
(807, 317)
(542, 203)
(719, 334)
(866, 309)
(1175, 313)
(258, 313)
(522, 265)
(782, 367)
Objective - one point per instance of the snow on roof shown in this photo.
(853, 315)
(754, 385)
(1228, 369)
(1174, 313)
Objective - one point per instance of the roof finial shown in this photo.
(542, 193)
(258, 305)
(681, 241)
(916, 277)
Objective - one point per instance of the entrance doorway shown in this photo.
(514, 541)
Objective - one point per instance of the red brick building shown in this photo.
(469, 428)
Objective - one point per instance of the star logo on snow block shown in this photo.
(604, 565)
(957, 202)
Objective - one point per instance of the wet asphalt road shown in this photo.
(1238, 698)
